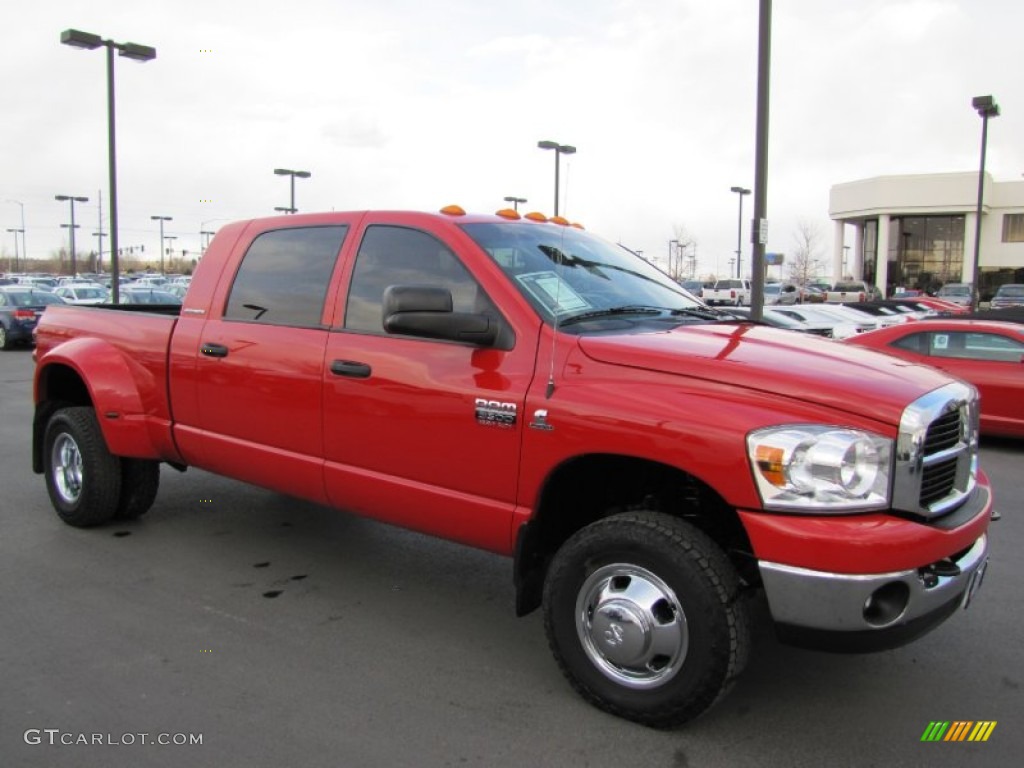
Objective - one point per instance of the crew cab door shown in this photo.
(258, 375)
(420, 432)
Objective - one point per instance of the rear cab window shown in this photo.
(284, 276)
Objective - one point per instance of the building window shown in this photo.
(1013, 227)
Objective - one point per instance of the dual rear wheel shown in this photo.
(88, 485)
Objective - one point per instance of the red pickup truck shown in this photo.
(520, 385)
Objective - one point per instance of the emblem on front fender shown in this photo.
(540, 420)
(495, 413)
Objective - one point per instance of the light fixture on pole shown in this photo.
(205, 236)
(161, 219)
(136, 52)
(293, 174)
(24, 250)
(515, 201)
(16, 231)
(560, 149)
(739, 229)
(986, 107)
(99, 253)
(170, 248)
(72, 199)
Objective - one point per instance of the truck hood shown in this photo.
(805, 368)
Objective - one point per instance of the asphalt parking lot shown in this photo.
(286, 634)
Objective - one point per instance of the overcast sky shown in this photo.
(417, 104)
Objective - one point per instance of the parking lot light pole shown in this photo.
(136, 52)
(986, 107)
(739, 229)
(170, 249)
(16, 231)
(560, 149)
(161, 219)
(24, 248)
(72, 227)
(515, 201)
(293, 174)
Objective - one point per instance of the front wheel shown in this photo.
(644, 614)
(82, 477)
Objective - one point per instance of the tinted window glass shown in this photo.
(284, 276)
(401, 256)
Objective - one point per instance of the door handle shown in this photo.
(214, 350)
(350, 368)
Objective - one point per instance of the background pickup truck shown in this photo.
(522, 386)
(850, 292)
(733, 291)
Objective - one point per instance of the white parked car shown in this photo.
(82, 293)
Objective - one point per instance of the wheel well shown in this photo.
(59, 386)
(591, 487)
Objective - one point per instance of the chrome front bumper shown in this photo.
(823, 602)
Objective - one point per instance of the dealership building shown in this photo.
(918, 231)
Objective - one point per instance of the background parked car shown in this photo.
(839, 322)
(1009, 295)
(20, 308)
(781, 293)
(958, 293)
(731, 291)
(848, 291)
(780, 319)
(695, 287)
(82, 293)
(988, 354)
(133, 294)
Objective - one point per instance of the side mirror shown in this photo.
(426, 311)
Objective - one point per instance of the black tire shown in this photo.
(5, 338)
(644, 615)
(140, 481)
(82, 477)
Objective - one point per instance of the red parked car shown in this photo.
(988, 354)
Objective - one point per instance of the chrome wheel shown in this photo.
(632, 626)
(66, 468)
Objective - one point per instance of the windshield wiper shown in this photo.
(632, 309)
(706, 313)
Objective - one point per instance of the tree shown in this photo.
(682, 259)
(805, 262)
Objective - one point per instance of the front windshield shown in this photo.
(567, 273)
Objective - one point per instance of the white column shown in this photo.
(882, 257)
(856, 265)
(839, 232)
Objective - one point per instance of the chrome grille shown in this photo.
(943, 433)
(936, 451)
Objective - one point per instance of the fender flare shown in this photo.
(130, 402)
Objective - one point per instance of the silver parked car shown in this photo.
(781, 293)
(1009, 295)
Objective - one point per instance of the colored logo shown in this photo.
(959, 730)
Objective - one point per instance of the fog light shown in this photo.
(886, 604)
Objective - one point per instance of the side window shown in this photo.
(284, 276)
(400, 256)
(915, 342)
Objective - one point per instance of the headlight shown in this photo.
(812, 468)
